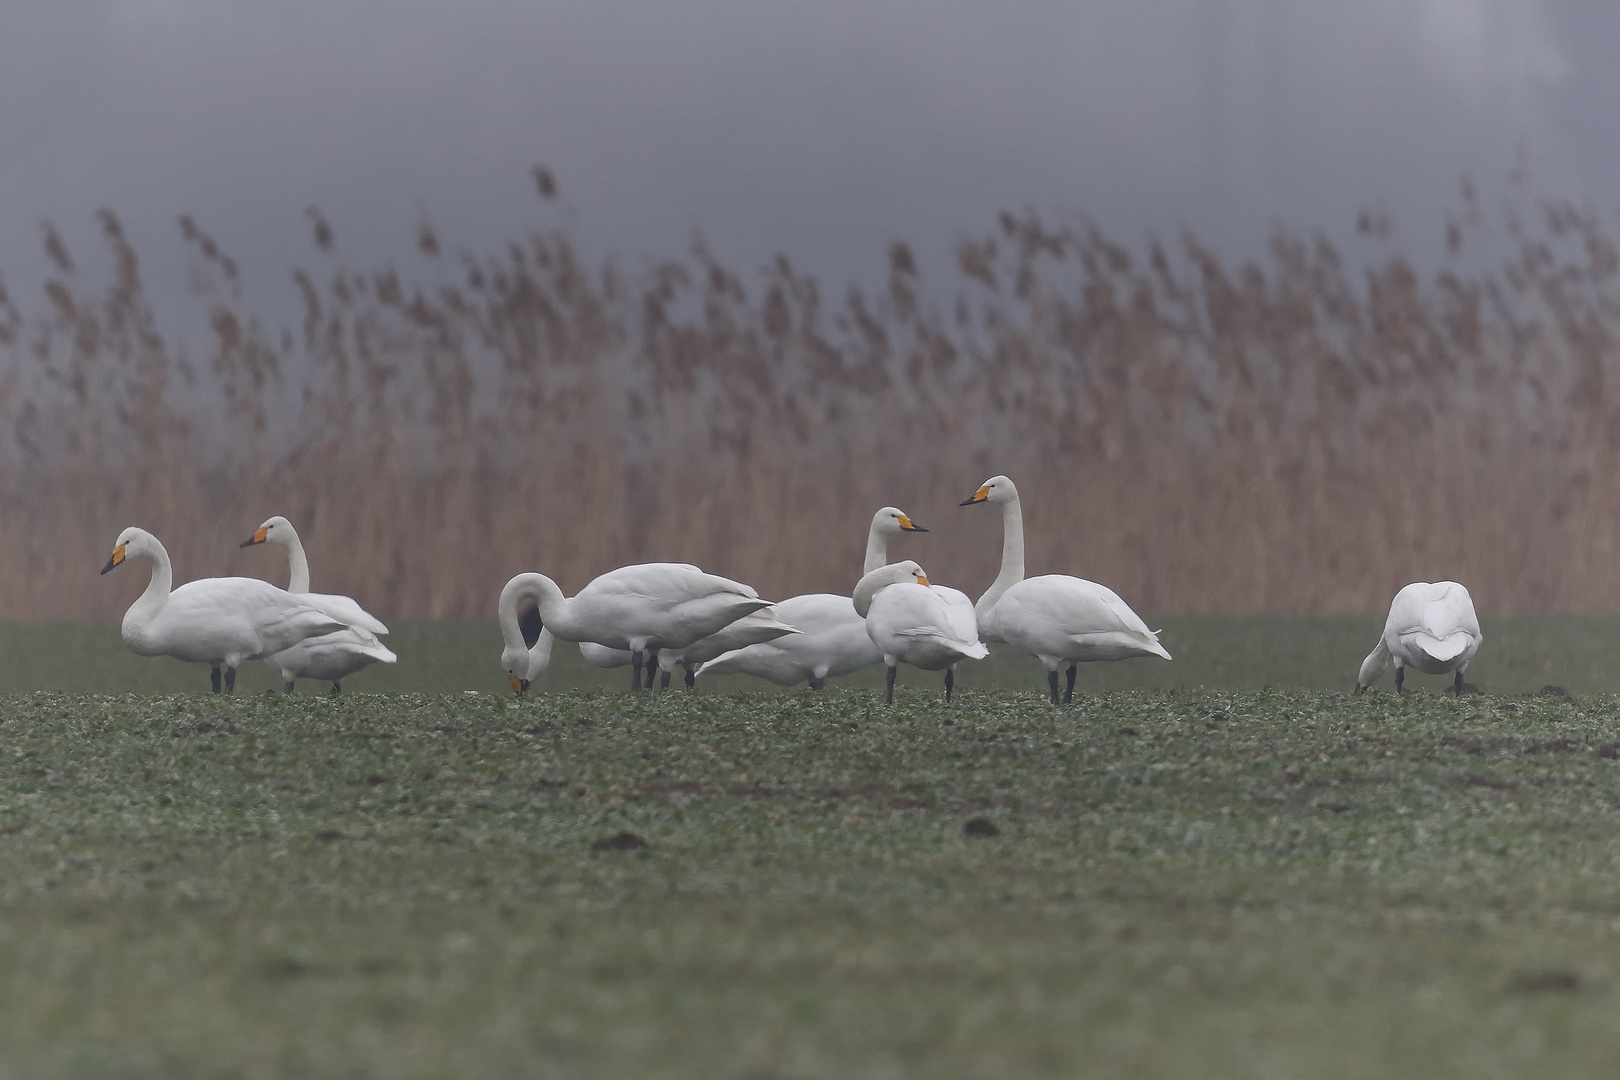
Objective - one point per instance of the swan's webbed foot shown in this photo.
(1068, 691)
(818, 684)
(213, 678)
(889, 698)
(1051, 680)
(287, 687)
(950, 681)
(230, 680)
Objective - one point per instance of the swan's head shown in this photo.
(997, 489)
(131, 542)
(515, 662)
(893, 574)
(276, 530)
(893, 520)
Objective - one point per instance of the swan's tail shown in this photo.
(1443, 649)
(724, 664)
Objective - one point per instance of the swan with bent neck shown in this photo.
(1056, 618)
(644, 608)
(331, 657)
(832, 638)
(1431, 627)
(912, 621)
(216, 621)
(523, 662)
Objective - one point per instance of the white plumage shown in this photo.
(1055, 618)
(216, 621)
(330, 657)
(1431, 627)
(912, 622)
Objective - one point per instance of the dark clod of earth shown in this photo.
(625, 841)
(1545, 982)
(980, 827)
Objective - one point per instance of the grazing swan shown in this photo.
(527, 654)
(832, 638)
(1432, 627)
(1054, 617)
(645, 608)
(762, 625)
(910, 621)
(216, 621)
(331, 657)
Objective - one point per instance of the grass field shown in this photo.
(1521, 655)
(1181, 883)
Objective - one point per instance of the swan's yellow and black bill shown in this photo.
(978, 496)
(117, 557)
(907, 525)
(518, 685)
(257, 538)
(922, 579)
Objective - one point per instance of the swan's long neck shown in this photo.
(150, 602)
(556, 611)
(533, 587)
(877, 548)
(1012, 555)
(299, 562)
(871, 582)
(1373, 668)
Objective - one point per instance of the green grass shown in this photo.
(1521, 655)
(1185, 883)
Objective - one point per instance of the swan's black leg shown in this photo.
(1051, 680)
(1068, 693)
(337, 688)
(635, 672)
(1456, 685)
(817, 684)
(213, 677)
(889, 700)
(287, 689)
(230, 680)
(691, 677)
(950, 681)
(663, 681)
(1400, 677)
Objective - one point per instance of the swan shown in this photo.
(832, 638)
(645, 608)
(909, 620)
(216, 621)
(528, 643)
(331, 657)
(762, 625)
(1432, 627)
(1054, 617)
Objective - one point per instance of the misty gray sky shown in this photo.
(821, 129)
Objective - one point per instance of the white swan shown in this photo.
(832, 638)
(760, 626)
(216, 621)
(330, 657)
(645, 608)
(1056, 618)
(1432, 627)
(527, 652)
(910, 621)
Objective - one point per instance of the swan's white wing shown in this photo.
(332, 657)
(831, 641)
(603, 657)
(1057, 617)
(344, 609)
(1432, 626)
(665, 583)
(215, 619)
(913, 624)
(751, 629)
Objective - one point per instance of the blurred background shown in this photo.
(1268, 308)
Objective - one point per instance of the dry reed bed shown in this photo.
(1289, 435)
